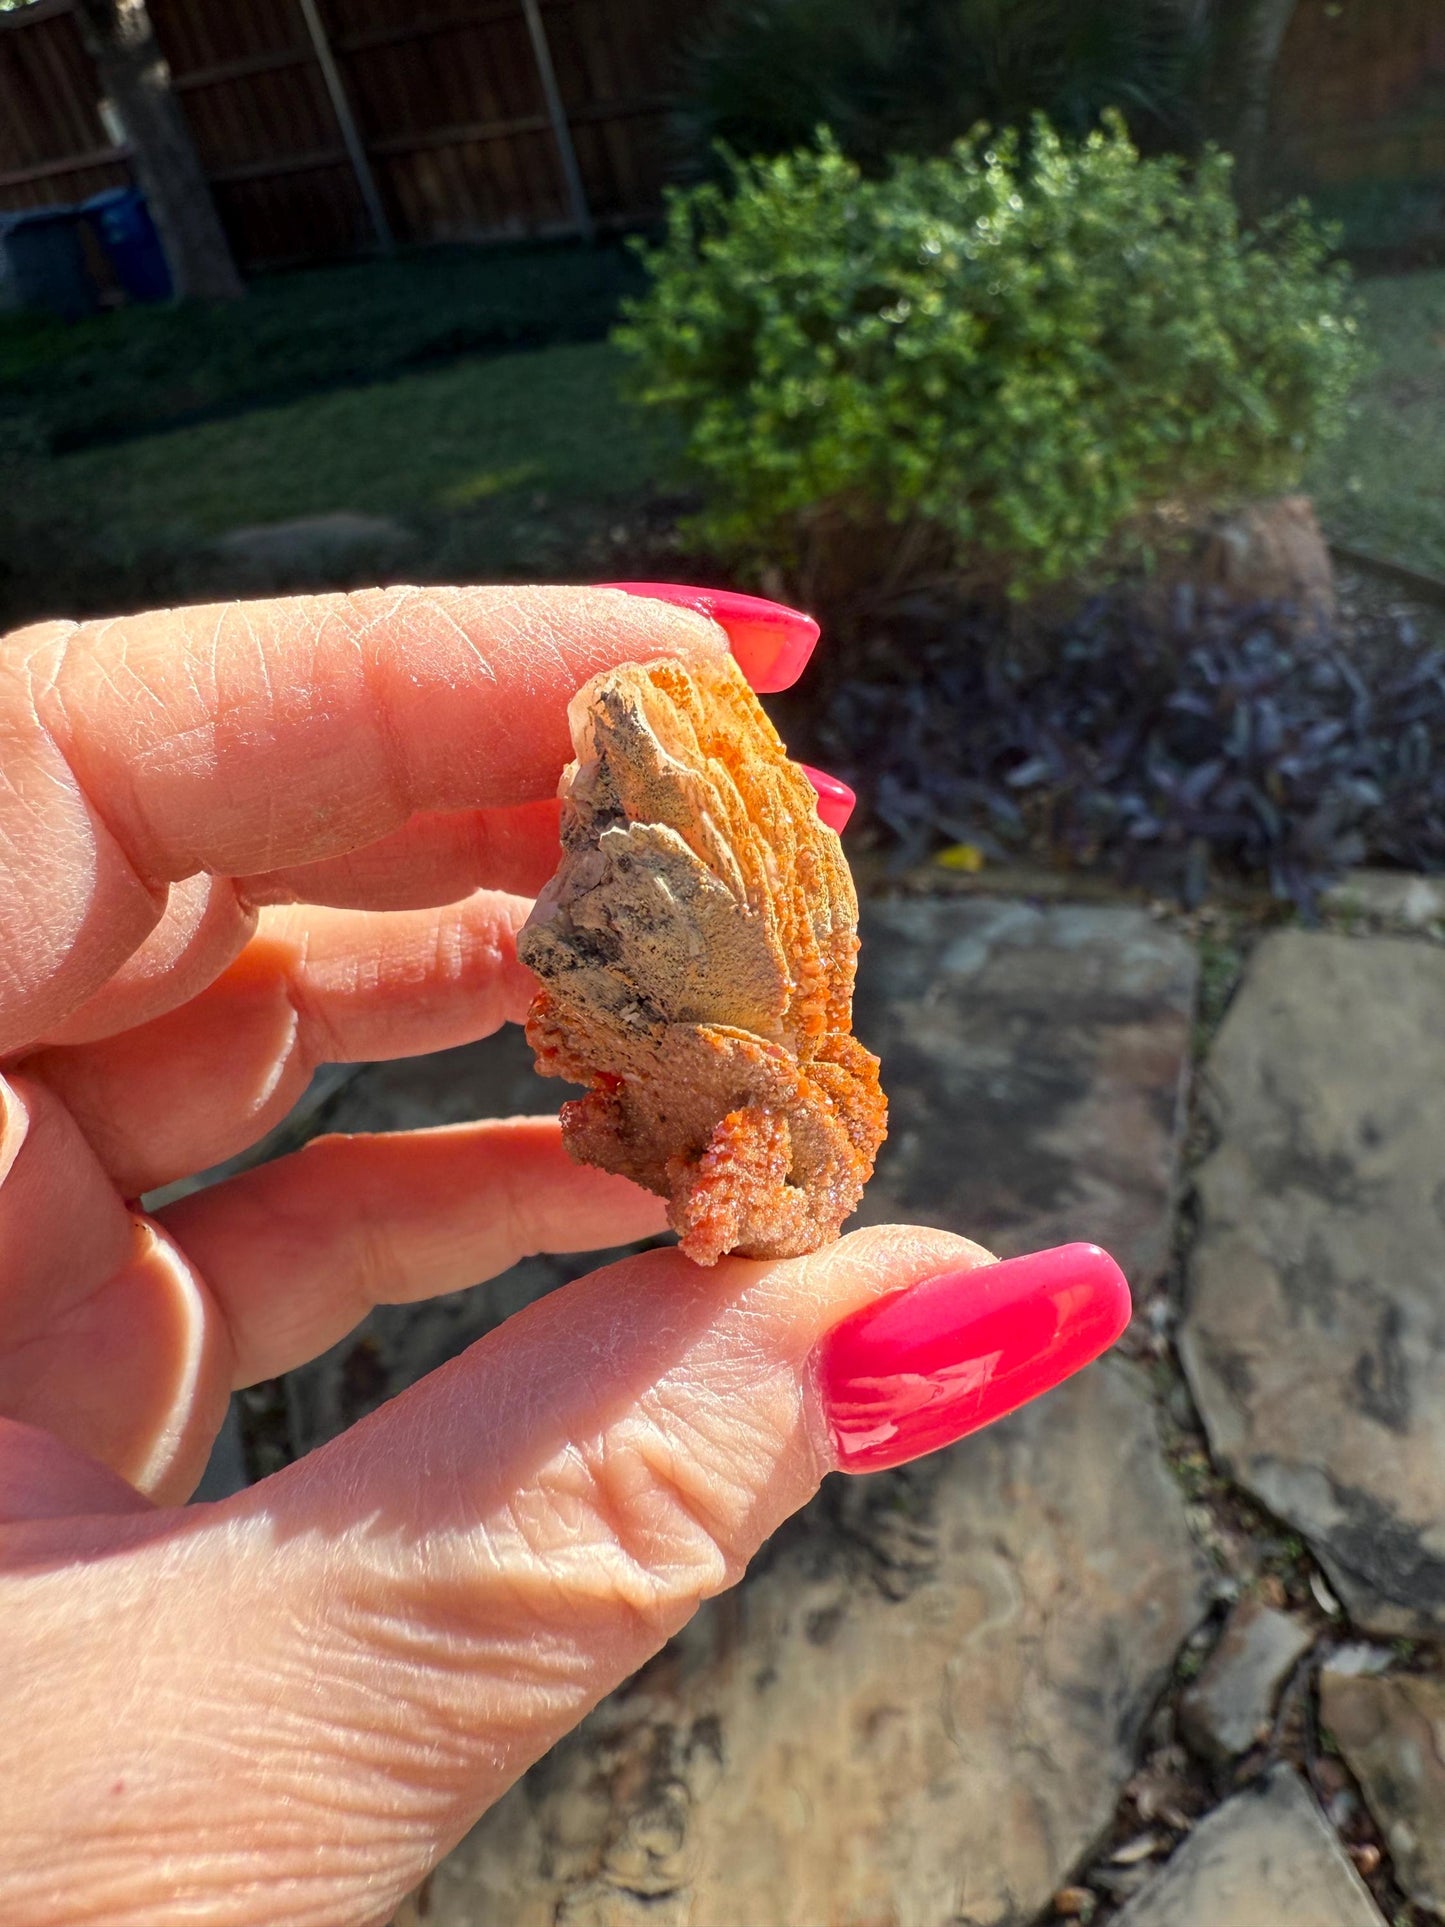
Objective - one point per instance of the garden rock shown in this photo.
(1271, 552)
(1264, 1859)
(1036, 1060)
(314, 545)
(1315, 1339)
(1228, 1708)
(919, 1708)
(1399, 897)
(1392, 1733)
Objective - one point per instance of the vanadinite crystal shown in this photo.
(696, 950)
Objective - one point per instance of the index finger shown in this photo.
(247, 737)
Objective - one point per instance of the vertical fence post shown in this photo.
(346, 120)
(561, 132)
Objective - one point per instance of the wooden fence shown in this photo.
(448, 101)
(455, 136)
(1360, 93)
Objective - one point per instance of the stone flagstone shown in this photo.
(1264, 1859)
(1228, 1707)
(1315, 1333)
(920, 1710)
(1392, 1733)
(1035, 1060)
(922, 1703)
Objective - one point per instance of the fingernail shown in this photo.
(836, 801)
(771, 644)
(931, 1364)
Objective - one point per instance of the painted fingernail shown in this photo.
(836, 802)
(770, 643)
(931, 1364)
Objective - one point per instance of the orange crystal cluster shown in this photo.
(696, 950)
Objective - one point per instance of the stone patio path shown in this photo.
(1074, 1669)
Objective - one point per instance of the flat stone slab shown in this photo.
(922, 1703)
(342, 534)
(1036, 1062)
(1228, 1708)
(1392, 1733)
(1401, 897)
(1266, 1858)
(1315, 1334)
(919, 1710)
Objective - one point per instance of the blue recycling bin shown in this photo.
(123, 223)
(43, 264)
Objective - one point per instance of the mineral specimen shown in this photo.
(696, 950)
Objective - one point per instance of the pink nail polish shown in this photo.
(836, 802)
(770, 643)
(930, 1364)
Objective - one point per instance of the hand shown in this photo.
(235, 842)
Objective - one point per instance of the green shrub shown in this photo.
(1009, 359)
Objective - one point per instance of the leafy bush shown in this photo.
(890, 77)
(1009, 357)
(1225, 745)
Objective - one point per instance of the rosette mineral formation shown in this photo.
(696, 950)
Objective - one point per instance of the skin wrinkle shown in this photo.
(264, 667)
(678, 1533)
(604, 1524)
(50, 704)
(139, 1110)
(393, 759)
(469, 643)
(379, 678)
(376, 1261)
(101, 880)
(724, 1413)
(204, 929)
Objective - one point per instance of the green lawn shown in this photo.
(142, 368)
(1382, 488)
(548, 424)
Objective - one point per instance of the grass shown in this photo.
(548, 424)
(528, 466)
(142, 368)
(1382, 488)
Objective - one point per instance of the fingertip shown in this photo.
(924, 1367)
(771, 643)
(836, 801)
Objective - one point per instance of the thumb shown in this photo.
(328, 1678)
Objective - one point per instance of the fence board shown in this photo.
(450, 109)
(1361, 94)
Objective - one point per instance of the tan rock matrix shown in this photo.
(696, 950)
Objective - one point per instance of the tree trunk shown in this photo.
(1248, 35)
(133, 72)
